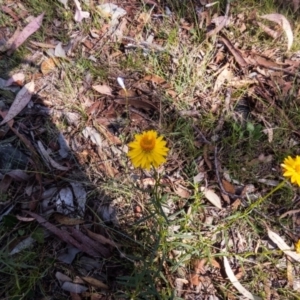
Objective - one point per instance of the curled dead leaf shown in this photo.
(49, 159)
(236, 283)
(21, 100)
(283, 246)
(48, 65)
(284, 23)
(64, 220)
(103, 89)
(228, 187)
(27, 31)
(182, 191)
(95, 282)
(24, 219)
(102, 239)
(155, 79)
(212, 197)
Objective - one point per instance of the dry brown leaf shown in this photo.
(103, 89)
(106, 165)
(289, 213)
(5, 183)
(88, 243)
(212, 197)
(48, 65)
(95, 282)
(239, 273)
(10, 41)
(269, 132)
(225, 198)
(206, 151)
(16, 79)
(42, 45)
(194, 279)
(21, 100)
(236, 204)
(73, 287)
(236, 283)
(154, 78)
(198, 268)
(257, 59)
(137, 103)
(102, 239)
(215, 263)
(95, 108)
(79, 14)
(24, 219)
(62, 277)
(199, 265)
(236, 53)
(274, 34)
(109, 136)
(179, 283)
(96, 296)
(28, 30)
(228, 187)
(127, 93)
(144, 18)
(64, 220)
(225, 75)
(284, 23)
(63, 235)
(282, 245)
(182, 191)
(289, 273)
(221, 24)
(75, 296)
(49, 159)
(171, 93)
(10, 12)
(296, 4)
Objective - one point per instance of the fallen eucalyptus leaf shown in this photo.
(282, 245)
(48, 158)
(28, 30)
(212, 197)
(79, 14)
(103, 89)
(73, 287)
(236, 283)
(95, 282)
(22, 245)
(284, 23)
(21, 100)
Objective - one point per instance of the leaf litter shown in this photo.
(66, 203)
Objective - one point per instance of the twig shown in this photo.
(202, 135)
(223, 22)
(235, 52)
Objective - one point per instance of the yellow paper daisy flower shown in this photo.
(291, 167)
(147, 150)
(297, 246)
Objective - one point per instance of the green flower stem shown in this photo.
(157, 196)
(254, 205)
(262, 199)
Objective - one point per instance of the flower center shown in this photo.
(147, 143)
(297, 168)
